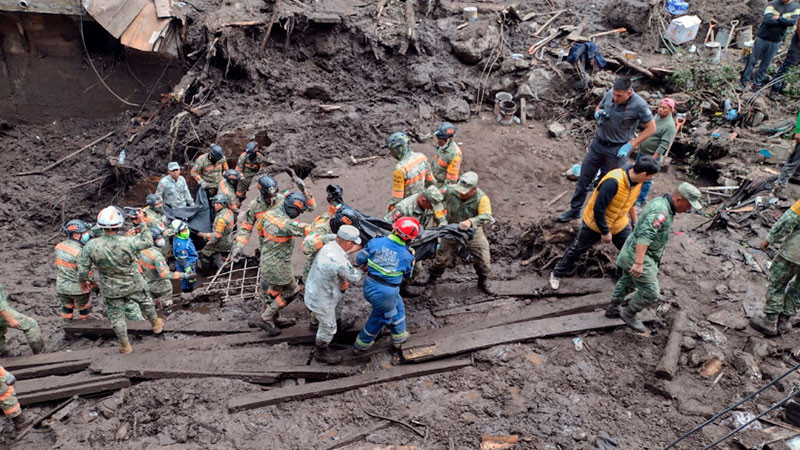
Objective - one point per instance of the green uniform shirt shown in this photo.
(220, 239)
(319, 235)
(446, 164)
(277, 232)
(478, 208)
(3, 299)
(255, 210)
(156, 272)
(786, 227)
(660, 140)
(66, 263)
(408, 207)
(116, 259)
(651, 230)
(206, 173)
(250, 167)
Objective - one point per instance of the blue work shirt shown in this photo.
(387, 258)
(184, 248)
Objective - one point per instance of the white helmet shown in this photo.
(178, 225)
(110, 217)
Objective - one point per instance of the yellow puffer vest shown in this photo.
(617, 210)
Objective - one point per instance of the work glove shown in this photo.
(624, 150)
(599, 115)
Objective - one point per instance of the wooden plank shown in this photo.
(58, 382)
(143, 327)
(668, 364)
(52, 369)
(163, 8)
(111, 384)
(250, 377)
(143, 33)
(115, 15)
(66, 7)
(454, 344)
(323, 388)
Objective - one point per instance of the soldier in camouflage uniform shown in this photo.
(320, 230)
(277, 230)
(469, 207)
(68, 287)
(115, 257)
(155, 270)
(412, 174)
(427, 207)
(9, 318)
(250, 162)
(783, 290)
(641, 254)
(173, 188)
(322, 233)
(220, 239)
(227, 187)
(154, 216)
(447, 160)
(9, 403)
(208, 168)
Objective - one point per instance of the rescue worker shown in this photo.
(250, 162)
(427, 207)
(115, 257)
(208, 168)
(270, 198)
(185, 253)
(469, 207)
(9, 403)
(156, 272)
(387, 261)
(641, 255)
(173, 188)
(227, 187)
(658, 144)
(10, 318)
(618, 115)
(412, 172)
(447, 160)
(220, 239)
(154, 216)
(321, 233)
(783, 291)
(606, 216)
(329, 277)
(68, 286)
(277, 230)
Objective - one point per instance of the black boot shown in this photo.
(22, 421)
(408, 291)
(269, 327)
(767, 324)
(37, 347)
(569, 215)
(433, 278)
(784, 324)
(344, 324)
(483, 285)
(283, 323)
(612, 312)
(324, 354)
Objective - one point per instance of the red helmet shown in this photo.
(407, 228)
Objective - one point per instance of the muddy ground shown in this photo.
(546, 391)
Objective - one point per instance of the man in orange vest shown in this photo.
(412, 174)
(605, 217)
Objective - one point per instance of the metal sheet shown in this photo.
(115, 15)
(145, 30)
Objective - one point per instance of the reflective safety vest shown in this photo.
(411, 175)
(620, 205)
(65, 262)
(448, 163)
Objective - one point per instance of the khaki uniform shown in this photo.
(317, 237)
(255, 210)
(152, 218)
(478, 209)
(409, 207)
(783, 294)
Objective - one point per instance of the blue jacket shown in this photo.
(387, 258)
(184, 251)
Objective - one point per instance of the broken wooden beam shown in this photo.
(50, 383)
(668, 364)
(52, 369)
(139, 327)
(250, 377)
(471, 340)
(323, 388)
(111, 384)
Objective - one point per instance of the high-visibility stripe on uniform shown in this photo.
(149, 266)
(417, 178)
(318, 241)
(796, 207)
(279, 239)
(276, 295)
(275, 221)
(2, 372)
(7, 394)
(61, 262)
(386, 272)
(12, 409)
(413, 163)
(72, 251)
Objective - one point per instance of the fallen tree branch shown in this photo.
(275, 12)
(399, 422)
(41, 171)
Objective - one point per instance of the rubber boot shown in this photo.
(267, 321)
(324, 354)
(767, 324)
(37, 347)
(282, 323)
(483, 285)
(125, 346)
(784, 324)
(630, 318)
(612, 312)
(22, 421)
(158, 325)
(569, 215)
(408, 291)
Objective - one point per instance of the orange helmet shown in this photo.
(407, 228)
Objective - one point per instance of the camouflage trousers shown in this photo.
(646, 287)
(223, 247)
(275, 297)
(27, 325)
(133, 311)
(116, 309)
(69, 303)
(8, 400)
(478, 246)
(783, 291)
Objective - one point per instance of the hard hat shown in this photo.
(407, 228)
(220, 198)
(268, 186)
(294, 204)
(251, 147)
(178, 225)
(110, 217)
(232, 175)
(335, 193)
(216, 153)
(397, 140)
(344, 216)
(153, 199)
(75, 226)
(445, 130)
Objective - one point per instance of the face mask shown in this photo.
(183, 234)
(160, 242)
(157, 209)
(85, 237)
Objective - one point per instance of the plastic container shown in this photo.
(683, 29)
(122, 155)
(470, 13)
(676, 7)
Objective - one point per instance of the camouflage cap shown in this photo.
(466, 183)
(349, 233)
(173, 166)
(691, 194)
(433, 194)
